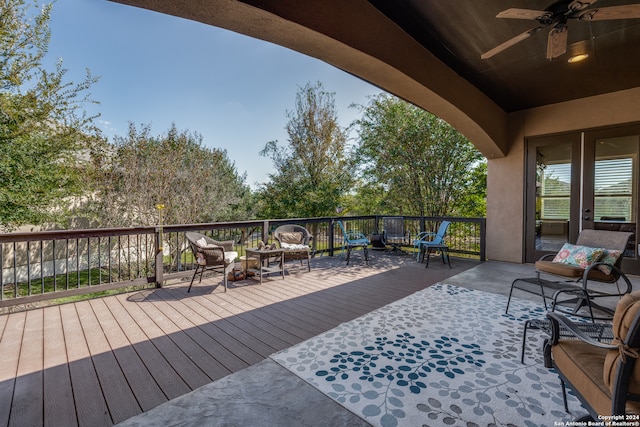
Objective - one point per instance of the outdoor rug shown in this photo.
(445, 355)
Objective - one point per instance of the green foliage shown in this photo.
(45, 137)
(473, 200)
(414, 163)
(312, 170)
(195, 184)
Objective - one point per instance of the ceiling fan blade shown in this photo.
(510, 42)
(578, 5)
(515, 13)
(628, 11)
(557, 42)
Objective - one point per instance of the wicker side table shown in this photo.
(265, 259)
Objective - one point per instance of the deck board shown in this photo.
(98, 362)
(28, 402)
(91, 407)
(59, 407)
(120, 399)
(202, 317)
(291, 333)
(181, 317)
(10, 346)
(143, 386)
(232, 327)
(160, 369)
(186, 369)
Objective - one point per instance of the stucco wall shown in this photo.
(505, 199)
(505, 181)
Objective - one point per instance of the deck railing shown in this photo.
(53, 264)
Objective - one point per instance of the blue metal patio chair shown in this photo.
(428, 240)
(353, 240)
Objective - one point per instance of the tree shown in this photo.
(45, 137)
(195, 184)
(473, 200)
(412, 162)
(313, 170)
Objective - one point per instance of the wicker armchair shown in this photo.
(294, 239)
(604, 376)
(211, 255)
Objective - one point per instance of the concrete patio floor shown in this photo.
(267, 394)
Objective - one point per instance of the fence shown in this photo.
(53, 264)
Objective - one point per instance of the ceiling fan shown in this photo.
(556, 16)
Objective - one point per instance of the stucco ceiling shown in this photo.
(428, 52)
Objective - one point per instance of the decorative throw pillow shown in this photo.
(609, 256)
(200, 259)
(577, 255)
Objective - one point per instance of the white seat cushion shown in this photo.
(230, 256)
(293, 246)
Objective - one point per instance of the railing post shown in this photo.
(483, 239)
(332, 222)
(265, 232)
(159, 258)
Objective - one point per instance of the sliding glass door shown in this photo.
(578, 181)
(611, 186)
(553, 182)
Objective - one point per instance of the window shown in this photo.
(555, 191)
(613, 195)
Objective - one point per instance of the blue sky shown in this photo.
(158, 69)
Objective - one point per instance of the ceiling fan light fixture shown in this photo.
(578, 58)
(558, 14)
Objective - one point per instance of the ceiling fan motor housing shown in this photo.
(557, 15)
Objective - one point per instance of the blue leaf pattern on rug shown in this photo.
(446, 355)
(442, 356)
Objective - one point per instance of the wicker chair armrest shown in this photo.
(226, 244)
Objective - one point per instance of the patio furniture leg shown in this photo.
(445, 253)
(546, 352)
(524, 339)
(509, 300)
(194, 276)
(564, 395)
(348, 254)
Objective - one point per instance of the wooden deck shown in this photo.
(101, 361)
